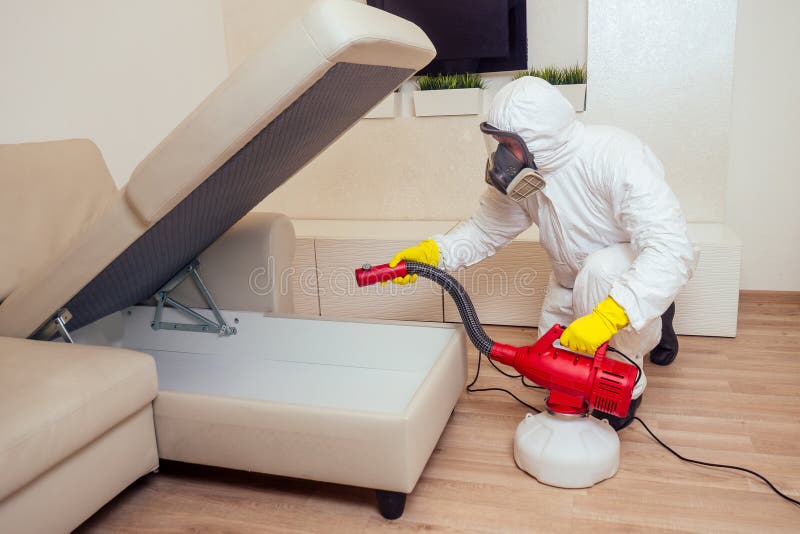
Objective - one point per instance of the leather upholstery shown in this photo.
(51, 192)
(56, 398)
(262, 90)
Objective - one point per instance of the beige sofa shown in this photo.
(76, 422)
(337, 401)
(76, 428)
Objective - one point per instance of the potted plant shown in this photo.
(449, 94)
(388, 108)
(571, 81)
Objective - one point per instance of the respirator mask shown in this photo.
(510, 168)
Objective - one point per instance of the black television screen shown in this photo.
(469, 36)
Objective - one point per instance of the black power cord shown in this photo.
(690, 460)
(709, 464)
(476, 390)
(472, 389)
(509, 375)
(484, 343)
(638, 369)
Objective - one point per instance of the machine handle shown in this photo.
(554, 334)
(369, 274)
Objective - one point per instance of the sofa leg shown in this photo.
(391, 503)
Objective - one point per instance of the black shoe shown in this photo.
(618, 423)
(667, 349)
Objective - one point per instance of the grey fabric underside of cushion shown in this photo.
(327, 109)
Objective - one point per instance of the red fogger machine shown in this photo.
(563, 446)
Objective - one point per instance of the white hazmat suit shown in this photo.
(606, 216)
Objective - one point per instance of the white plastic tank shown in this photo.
(566, 451)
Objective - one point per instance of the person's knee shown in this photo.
(599, 271)
(607, 264)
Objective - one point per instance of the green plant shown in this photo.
(450, 81)
(574, 75)
(557, 75)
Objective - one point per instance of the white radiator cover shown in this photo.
(707, 306)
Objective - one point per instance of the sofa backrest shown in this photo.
(49, 193)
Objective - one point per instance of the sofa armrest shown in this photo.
(248, 268)
(55, 398)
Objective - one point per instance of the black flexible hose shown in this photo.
(459, 295)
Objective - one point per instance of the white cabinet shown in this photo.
(342, 246)
(507, 289)
(303, 279)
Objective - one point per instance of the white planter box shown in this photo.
(576, 94)
(448, 102)
(387, 108)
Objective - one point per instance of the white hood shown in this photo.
(541, 115)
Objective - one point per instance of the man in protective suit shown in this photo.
(611, 225)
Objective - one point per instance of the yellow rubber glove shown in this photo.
(585, 334)
(425, 252)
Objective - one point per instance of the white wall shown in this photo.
(429, 168)
(660, 69)
(556, 32)
(122, 73)
(764, 170)
(664, 71)
(125, 73)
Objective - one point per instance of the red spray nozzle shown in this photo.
(372, 274)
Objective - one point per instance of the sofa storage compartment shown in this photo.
(357, 403)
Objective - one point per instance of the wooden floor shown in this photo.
(731, 401)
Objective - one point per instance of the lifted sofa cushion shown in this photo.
(280, 108)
